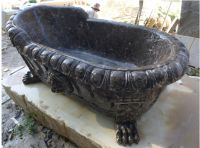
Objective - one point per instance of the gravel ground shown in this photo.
(20, 130)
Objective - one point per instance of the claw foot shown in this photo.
(29, 78)
(127, 133)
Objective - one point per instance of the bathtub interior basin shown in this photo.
(97, 42)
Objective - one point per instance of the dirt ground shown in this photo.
(20, 130)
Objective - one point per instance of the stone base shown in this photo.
(171, 122)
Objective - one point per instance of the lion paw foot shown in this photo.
(127, 133)
(29, 78)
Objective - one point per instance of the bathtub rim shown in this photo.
(177, 62)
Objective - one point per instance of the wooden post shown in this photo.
(166, 14)
(139, 12)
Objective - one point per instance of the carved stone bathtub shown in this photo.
(116, 68)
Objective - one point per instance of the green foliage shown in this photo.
(28, 126)
(32, 1)
(193, 72)
(19, 131)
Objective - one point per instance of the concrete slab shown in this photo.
(195, 53)
(186, 40)
(192, 44)
(171, 122)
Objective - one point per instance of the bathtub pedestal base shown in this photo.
(127, 133)
(29, 78)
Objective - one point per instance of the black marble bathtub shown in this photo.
(116, 68)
